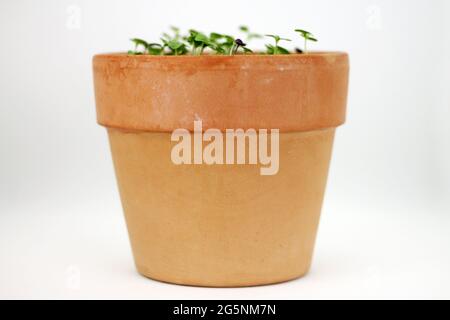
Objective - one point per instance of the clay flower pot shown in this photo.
(221, 225)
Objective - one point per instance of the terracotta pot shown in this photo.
(221, 225)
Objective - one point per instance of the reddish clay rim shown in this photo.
(307, 91)
(315, 58)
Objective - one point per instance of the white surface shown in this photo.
(385, 227)
(83, 252)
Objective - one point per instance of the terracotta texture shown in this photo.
(221, 225)
(160, 93)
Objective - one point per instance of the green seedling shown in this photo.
(155, 49)
(199, 42)
(249, 35)
(138, 43)
(307, 36)
(173, 43)
(175, 47)
(223, 43)
(191, 40)
(276, 49)
(204, 42)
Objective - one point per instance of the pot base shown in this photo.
(239, 284)
(221, 225)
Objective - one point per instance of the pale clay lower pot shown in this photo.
(221, 225)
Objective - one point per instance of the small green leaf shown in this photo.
(276, 49)
(174, 44)
(270, 49)
(141, 42)
(200, 37)
(277, 38)
(304, 32)
(191, 38)
(307, 36)
(182, 50)
(155, 49)
(229, 39)
(214, 36)
(220, 49)
(244, 28)
(281, 50)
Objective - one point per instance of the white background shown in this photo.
(385, 228)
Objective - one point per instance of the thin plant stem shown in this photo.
(232, 49)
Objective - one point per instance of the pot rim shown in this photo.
(295, 92)
(311, 56)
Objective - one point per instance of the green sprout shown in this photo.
(276, 49)
(138, 43)
(155, 49)
(249, 35)
(223, 43)
(175, 46)
(173, 42)
(199, 41)
(307, 36)
(195, 43)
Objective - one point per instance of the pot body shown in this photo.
(221, 225)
